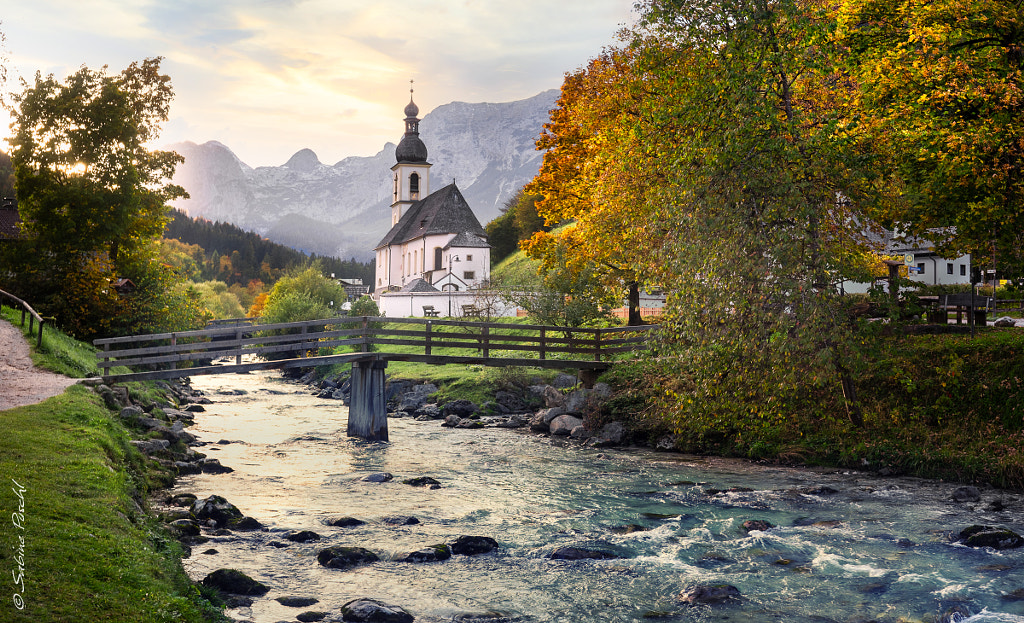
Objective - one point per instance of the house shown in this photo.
(435, 237)
(924, 265)
(10, 220)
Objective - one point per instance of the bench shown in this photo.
(430, 312)
(471, 311)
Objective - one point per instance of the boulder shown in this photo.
(461, 408)
(151, 446)
(580, 402)
(551, 413)
(182, 499)
(373, 611)
(296, 602)
(234, 581)
(759, 525)
(709, 594)
(611, 434)
(184, 527)
(966, 494)
(564, 381)
(473, 545)
(343, 522)
(377, 477)
(1005, 321)
(510, 401)
(246, 524)
(452, 421)
(312, 615)
(184, 468)
(429, 411)
(431, 553)
(537, 423)
(467, 423)
(303, 536)
(216, 508)
(580, 432)
(563, 424)
(213, 466)
(131, 412)
(420, 481)
(579, 553)
(513, 421)
(989, 536)
(400, 520)
(340, 557)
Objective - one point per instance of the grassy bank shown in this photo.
(936, 406)
(74, 526)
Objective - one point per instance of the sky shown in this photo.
(270, 77)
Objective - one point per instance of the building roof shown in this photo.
(467, 240)
(9, 220)
(443, 212)
(418, 285)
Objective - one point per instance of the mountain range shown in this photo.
(343, 210)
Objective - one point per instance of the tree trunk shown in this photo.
(634, 305)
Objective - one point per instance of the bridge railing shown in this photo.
(26, 309)
(315, 342)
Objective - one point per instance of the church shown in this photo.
(436, 244)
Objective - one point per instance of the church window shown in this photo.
(469, 274)
(437, 258)
(414, 185)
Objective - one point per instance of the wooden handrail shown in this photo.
(485, 343)
(32, 314)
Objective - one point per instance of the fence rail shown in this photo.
(26, 309)
(427, 340)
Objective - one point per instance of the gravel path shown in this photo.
(20, 382)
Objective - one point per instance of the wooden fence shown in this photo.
(26, 309)
(311, 343)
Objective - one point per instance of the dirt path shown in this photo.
(20, 382)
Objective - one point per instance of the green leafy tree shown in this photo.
(941, 88)
(92, 196)
(364, 306)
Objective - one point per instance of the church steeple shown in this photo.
(411, 170)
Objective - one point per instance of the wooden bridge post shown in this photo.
(367, 411)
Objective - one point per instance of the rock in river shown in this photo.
(339, 557)
(989, 536)
(709, 593)
(473, 545)
(578, 553)
(431, 553)
(216, 508)
(373, 611)
(234, 581)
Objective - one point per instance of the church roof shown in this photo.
(468, 240)
(443, 212)
(418, 285)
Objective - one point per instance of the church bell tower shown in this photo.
(411, 172)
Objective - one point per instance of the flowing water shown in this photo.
(874, 550)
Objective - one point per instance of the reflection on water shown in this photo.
(873, 550)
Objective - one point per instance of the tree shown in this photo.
(941, 87)
(595, 172)
(92, 196)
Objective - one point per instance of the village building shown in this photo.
(436, 244)
(10, 220)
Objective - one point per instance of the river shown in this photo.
(876, 549)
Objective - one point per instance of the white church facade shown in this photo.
(436, 250)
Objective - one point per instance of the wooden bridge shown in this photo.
(373, 341)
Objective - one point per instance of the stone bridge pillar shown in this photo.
(367, 411)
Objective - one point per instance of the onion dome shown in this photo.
(411, 148)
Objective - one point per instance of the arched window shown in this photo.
(437, 258)
(414, 186)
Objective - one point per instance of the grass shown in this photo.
(90, 552)
(81, 539)
(59, 353)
